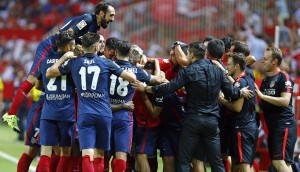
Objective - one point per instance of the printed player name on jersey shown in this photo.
(91, 95)
(57, 96)
(134, 70)
(117, 101)
(51, 61)
(269, 92)
(87, 61)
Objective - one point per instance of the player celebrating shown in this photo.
(244, 124)
(276, 98)
(91, 75)
(104, 13)
(121, 92)
(57, 120)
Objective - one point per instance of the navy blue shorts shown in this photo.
(55, 132)
(94, 131)
(146, 140)
(226, 130)
(281, 142)
(33, 123)
(121, 135)
(199, 152)
(46, 48)
(244, 143)
(168, 142)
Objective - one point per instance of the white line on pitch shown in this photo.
(14, 160)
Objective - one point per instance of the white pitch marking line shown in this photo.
(14, 160)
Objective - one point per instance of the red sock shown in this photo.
(87, 164)
(255, 166)
(63, 164)
(226, 165)
(113, 163)
(24, 163)
(99, 164)
(21, 93)
(74, 164)
(120, 165)
(54, 162)
(130, 163)
(44, 164)
(153, 164)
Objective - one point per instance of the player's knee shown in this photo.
(32, 151)
(141, 157)
(31, 79)
(65, 151)
(121, 155)
(278, 163)
(99, 153)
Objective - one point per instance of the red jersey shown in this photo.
(141, 114)
(164, 64)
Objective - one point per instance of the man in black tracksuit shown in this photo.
(202, 82)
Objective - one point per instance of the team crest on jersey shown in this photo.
(237, 85)
(81, 24)
(288, 84)
(272, 84)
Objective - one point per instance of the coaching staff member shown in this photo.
(203, 82)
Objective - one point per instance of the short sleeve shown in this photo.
(66, 67)
(143, 75)
(81, 22)
(241, 83)
(284, 83)
(114, 68)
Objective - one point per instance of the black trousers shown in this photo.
(200, 128)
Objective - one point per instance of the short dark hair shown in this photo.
(216, 48)
(123, 48)
(198, 49)
(239, 58)
(90, 39)
(227, 42)
(111, 43)
(102, 6)
(149, 65)
(209, 38)
(63, 38)
(241, 47)
(276, 54)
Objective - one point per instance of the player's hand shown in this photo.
(129, 106)
(141, 86)
(258, 92)
(69, 55)
(246, 93)
(181, 44)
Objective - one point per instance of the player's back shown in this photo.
(91, 76)
(59, 92)
(121, 91)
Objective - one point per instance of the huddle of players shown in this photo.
(105, 109)
(105, 118)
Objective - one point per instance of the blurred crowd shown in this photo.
(155, 24)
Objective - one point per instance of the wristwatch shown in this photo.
(226, 72)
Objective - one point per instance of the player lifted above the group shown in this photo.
(104, 13)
